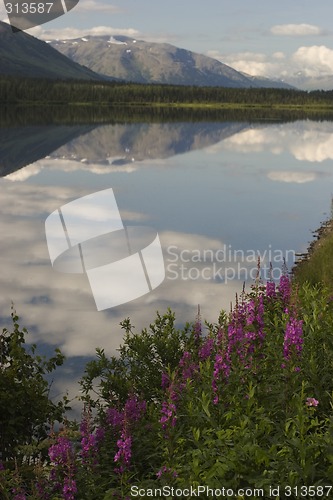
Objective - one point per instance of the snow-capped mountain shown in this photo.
(146, 62)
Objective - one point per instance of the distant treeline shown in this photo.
(15, 90)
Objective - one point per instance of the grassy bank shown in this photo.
(316, 266)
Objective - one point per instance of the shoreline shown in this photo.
(314, 264)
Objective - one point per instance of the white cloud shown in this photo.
(40, 292)
(24, 173)
(250, 141)
(311, 61)
(68, 165)
(296, 30)
(68, 33)
(252, 63)
(315, 146)
(292, 177)
(315, 60)
(304, 142)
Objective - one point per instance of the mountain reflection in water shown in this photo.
(217, 193)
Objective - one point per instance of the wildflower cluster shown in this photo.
(90, 440)
(63, 471)
(132, 413)
(124, 452)
(293, 338)
(243, 401)
(168, 411)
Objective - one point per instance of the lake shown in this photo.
(159, 213)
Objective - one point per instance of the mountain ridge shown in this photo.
(129, 59)
(139, 61)
(117, 58)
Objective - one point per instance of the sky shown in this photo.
(261, 37)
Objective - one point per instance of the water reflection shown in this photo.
(104, 148)
(305, 140)
(21, 146)
(218, 194)
(121, 262)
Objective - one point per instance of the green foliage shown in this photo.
(262, 431)
(25, 407)
(138, 369)
(243, 403)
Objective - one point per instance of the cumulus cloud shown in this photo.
(250, 141)
(317, 59)
(296, 30)
(315, 146)
(252, 63)
(311, 143)
(311, 61)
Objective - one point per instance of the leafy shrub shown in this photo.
(25, 407)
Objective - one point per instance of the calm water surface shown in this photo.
(218, 194)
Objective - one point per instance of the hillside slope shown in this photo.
(24, 55)
(145, 62)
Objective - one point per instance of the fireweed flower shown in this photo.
(134, 408)
(186, 366)
(222, 338)
(244, 332)
(63, 458)
(184, 359)
(254, 316)
(285, 288)
(270, 289)
(114, 417)
(133, 411)
(165, 380)
(124, 453)
(89, 448)
(89, 441)
(100, 434)
(236, 333)
(168, 411)
(293, 337)
(166, 470)
(206, 349)
(61, 451)
(69, 488)
(312, 402)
